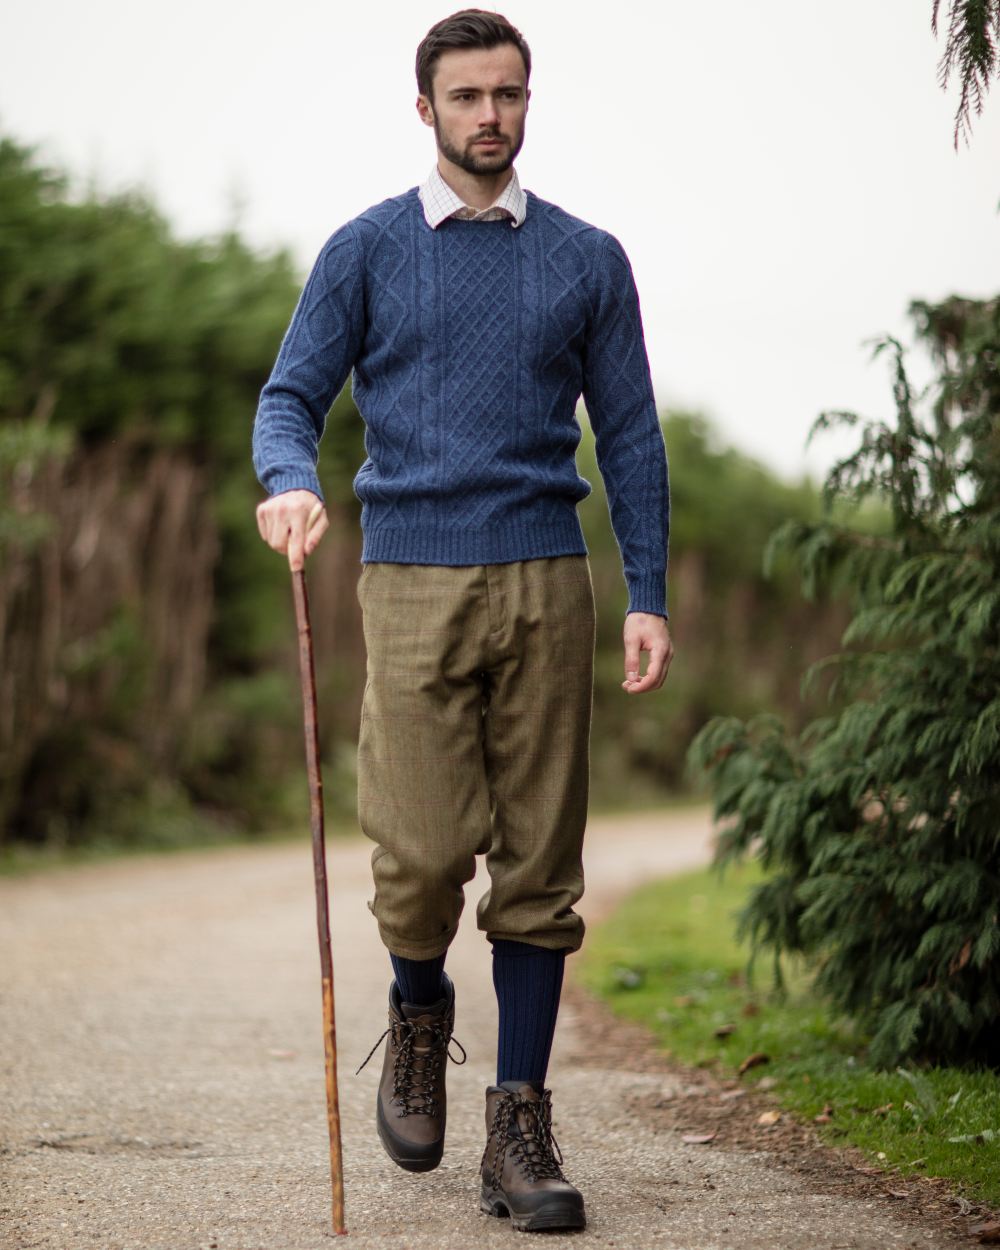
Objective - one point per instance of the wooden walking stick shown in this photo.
(308, 674)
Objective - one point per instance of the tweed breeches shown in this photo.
(475, 740)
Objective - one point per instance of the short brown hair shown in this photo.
(469, 28)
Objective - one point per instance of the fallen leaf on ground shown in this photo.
(883, 1110)
(769, 1117)
(752, 1061)
(697, 1139)
(988, 1233)
(725, 1029)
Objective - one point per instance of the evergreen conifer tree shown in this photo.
(971, 52)
(879, 825)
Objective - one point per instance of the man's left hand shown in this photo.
(646, 632)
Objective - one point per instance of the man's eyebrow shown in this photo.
(507, 86)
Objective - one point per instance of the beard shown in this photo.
(470, 161)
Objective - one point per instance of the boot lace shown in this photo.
(531, 1145)
(415, 1088)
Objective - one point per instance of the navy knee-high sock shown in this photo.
(528, 981)
(420, 981)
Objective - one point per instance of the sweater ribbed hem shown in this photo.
(281, 482)
(441, 544)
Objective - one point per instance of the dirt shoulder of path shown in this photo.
(706, 1103)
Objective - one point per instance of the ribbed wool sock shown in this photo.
(528, 981)
(419, 980)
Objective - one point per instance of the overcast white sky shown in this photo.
(782, 175)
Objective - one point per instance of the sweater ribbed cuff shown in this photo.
(300, 480)
(648, 594)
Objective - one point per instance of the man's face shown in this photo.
(478, 107)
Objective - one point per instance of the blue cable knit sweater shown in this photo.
(470, 347)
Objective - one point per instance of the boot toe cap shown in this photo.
(414, 1156)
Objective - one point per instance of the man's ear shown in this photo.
(425, 110)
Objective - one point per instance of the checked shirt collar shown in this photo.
(440, 202)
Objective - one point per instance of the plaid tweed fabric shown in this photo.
(475, 733)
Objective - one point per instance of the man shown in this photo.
(473, 315)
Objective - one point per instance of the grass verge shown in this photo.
(668, 959)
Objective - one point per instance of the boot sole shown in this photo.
(559, 1213)
(411, 1163)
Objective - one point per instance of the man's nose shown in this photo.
(489, 114)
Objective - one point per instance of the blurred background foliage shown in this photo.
(148, 679)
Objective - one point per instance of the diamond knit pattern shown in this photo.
(482, 359)
(470, 347)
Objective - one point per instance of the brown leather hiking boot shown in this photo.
(521, 1169)
(411, 1104)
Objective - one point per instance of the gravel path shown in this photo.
(162, 1074)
